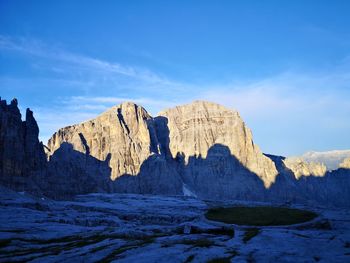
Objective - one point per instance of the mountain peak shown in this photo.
(201, 106)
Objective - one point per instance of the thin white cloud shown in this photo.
(87, 102)
(36, 48)
(307, 108)
(292, 112)
(285, 93)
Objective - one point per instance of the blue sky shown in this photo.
(284, 65)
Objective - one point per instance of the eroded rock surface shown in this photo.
(194, 128)
(331, 159)
(200, 149)
(22, 156)
(345, 164)
(301, 167)
(141, 228)
(126, 133)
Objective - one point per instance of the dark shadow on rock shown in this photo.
(331, 189)
(86, 146)
(162, 131)
(122, 121)
(220, 175)
(71, 172)
(217, 176)
(158, 173)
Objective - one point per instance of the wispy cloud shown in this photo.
(286, 92)
(37, 48)
(292, 112)
(289, 112)
(83, 101)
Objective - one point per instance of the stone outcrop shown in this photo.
(200, 149)
(130, 135)
(22, 156)
(301, 167)
(126, 133)
(70, 172)
(331, 159)
(195, 128)
(345, 164)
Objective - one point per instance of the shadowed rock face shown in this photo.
(21, 154)
(71, 172)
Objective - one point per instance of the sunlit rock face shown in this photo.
(331, 159)
(22, 156)
(195, 128)
(202, 147)
(345, 164)
(130, 136)
(301, 167)
(126, 133)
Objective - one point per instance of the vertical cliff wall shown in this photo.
(22, 156)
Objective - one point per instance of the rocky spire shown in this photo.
(21, 154)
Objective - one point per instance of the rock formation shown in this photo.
(70, 172)
(345, 164)
(202, 149)
(125, 132)
(22, 156)
(130, 136)
(301, 167)
(196, 127)
(331, 159)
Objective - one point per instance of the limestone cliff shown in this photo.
(21, 154)
(345, 164)
(194, 128)
(130, 135)
(126, 133)
(202, 147)
(331, 159)
(301, 167)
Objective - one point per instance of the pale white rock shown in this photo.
(123, 134)
(345, 164)
(195, 128)
(331, 159)
(300, 167)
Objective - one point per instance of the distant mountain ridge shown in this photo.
(332, 159)
(200, 148)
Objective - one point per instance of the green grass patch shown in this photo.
(260, 215)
